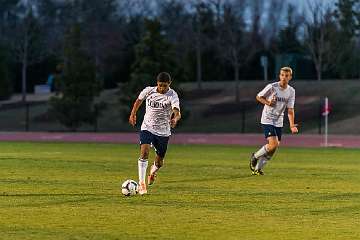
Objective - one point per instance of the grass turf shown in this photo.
(72, 191)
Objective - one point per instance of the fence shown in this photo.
(242, 117)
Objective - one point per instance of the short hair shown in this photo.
(163, 77)
(287, 69)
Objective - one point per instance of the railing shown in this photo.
(242, 117)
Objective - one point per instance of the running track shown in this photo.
(301, 140)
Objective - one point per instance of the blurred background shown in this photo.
(78, 65)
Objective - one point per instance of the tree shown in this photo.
(5, 83)
(347, 14)
(238, 49)
(51, 17)
(272, 23)
(101, 37)
(7, 16)
(202, 29)
(153, 54)
(77, 85)
(26, 42)
(176, 24)
(7, 13)
(288, 39)
(320, 34)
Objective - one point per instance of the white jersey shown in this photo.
(285, 98)
(158, 110)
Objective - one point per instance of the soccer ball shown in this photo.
(129, 187)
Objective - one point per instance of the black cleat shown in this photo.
(257, 172)
(253, 162)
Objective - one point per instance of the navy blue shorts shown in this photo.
(159, 143)
(270, 130)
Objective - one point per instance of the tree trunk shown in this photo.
(319, 72)
(198, 67)
(98, 68)
(23, 71)
(98, 72)
(236, 73)
(319, 76)
(198, 57)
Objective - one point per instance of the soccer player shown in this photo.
(276, 97)
(162, 112)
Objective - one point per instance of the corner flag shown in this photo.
(325, 112)
(327, 108)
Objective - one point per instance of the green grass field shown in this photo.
(72, 191)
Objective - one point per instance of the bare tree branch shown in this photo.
(319, 30)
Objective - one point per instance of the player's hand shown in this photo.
(294, 129)
(173, 122)
(132, 119)
(272, 101)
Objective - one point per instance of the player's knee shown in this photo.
(270, 147)
(144, 151)
(159, 163)
(144, 154)
(273, 146)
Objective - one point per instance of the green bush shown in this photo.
(77, 86)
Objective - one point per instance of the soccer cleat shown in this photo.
(253, 162)
(142, 189)
(151, 179)
(257, 172)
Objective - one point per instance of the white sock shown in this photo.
(142, 166)
(261, 163)
(261, 152)
(153, 169)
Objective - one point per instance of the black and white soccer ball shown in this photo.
(129, 188)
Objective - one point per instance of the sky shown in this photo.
(303, 4)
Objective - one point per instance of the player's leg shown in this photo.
(268, 132)
(158, 163)
(259, 165)
(273, 143)
(271, 147)
(259, 159)
(160, 145)
(145, 141)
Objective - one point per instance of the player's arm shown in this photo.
(176, 116)
(264, 101)
(135, 108)
(264, 94)
(291, 116)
